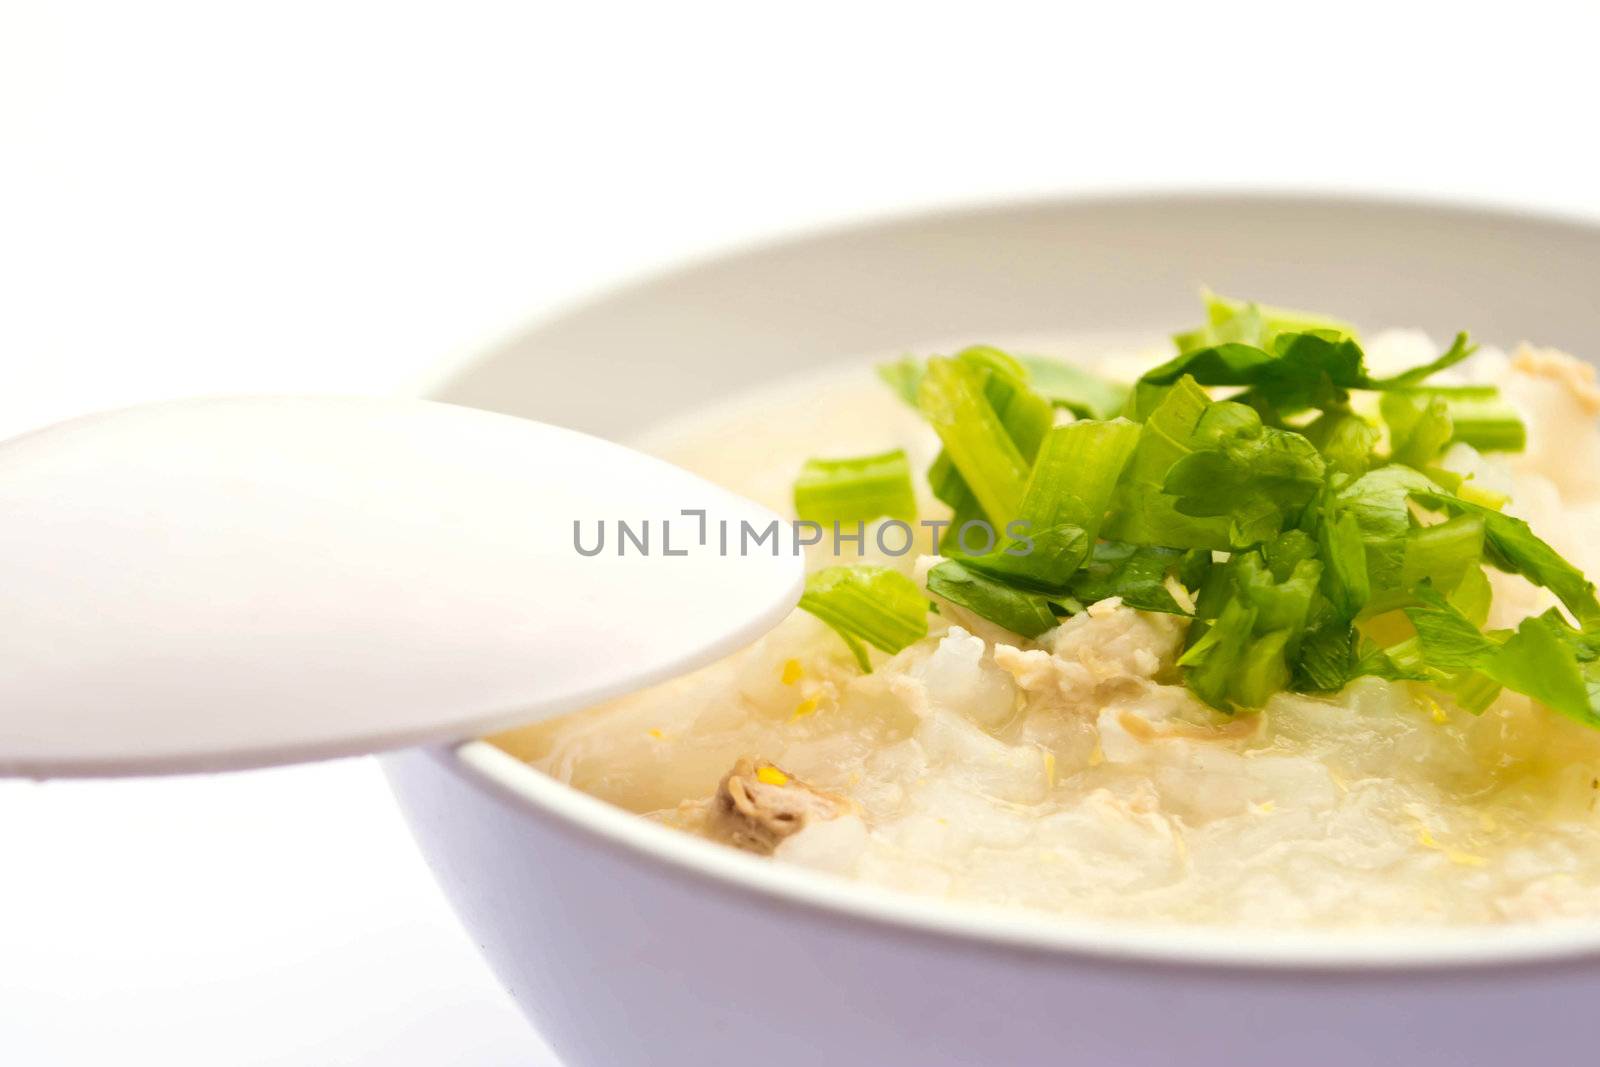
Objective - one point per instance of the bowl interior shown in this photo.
(671, 344)
(655, 351)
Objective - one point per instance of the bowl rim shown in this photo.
(1374, 950)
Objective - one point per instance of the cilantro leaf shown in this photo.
(1142, 513)
(1138, 574)
(1257, 477)
(1512, 546)
(1019, 611)
(1084, 393)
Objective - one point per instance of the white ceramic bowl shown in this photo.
(627, 943)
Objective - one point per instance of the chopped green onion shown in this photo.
(864, 487)
(876, 605)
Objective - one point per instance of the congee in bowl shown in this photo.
(1276, 625)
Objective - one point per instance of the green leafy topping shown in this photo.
(1143, 513)
(1255, 476)
(1076, 472)
(1487, 424)
(863, 603)
(1018, 610)
(1252, 324)
(1301, 370)
(1512, 546)
(865, 487)
(1086, 395)
(1419, 427)
(1459, 349)
(1045, 561)
(1248, 489)
(1346, 440)
(1022, 415)
(1139, 574)
(904, 375)
(952, 398)
(1261, 602)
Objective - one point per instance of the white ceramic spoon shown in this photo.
(217, 584)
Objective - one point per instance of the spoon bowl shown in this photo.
(216, 584)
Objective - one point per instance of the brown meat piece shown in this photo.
(757, 805)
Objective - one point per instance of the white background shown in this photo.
(336, 196)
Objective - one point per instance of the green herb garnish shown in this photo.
(1243, 486)
(863, 488)
(875, 605)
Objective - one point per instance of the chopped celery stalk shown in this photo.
(1142, 514)
(863, 487)
(992, 359)
(952, 399)
(1488, 425)
(1025, 415)
(876, 605)
(1019, 611)
(1346, 441)
(1482, 496)
(1075, 473)
(1423, 420)
(967, 511)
